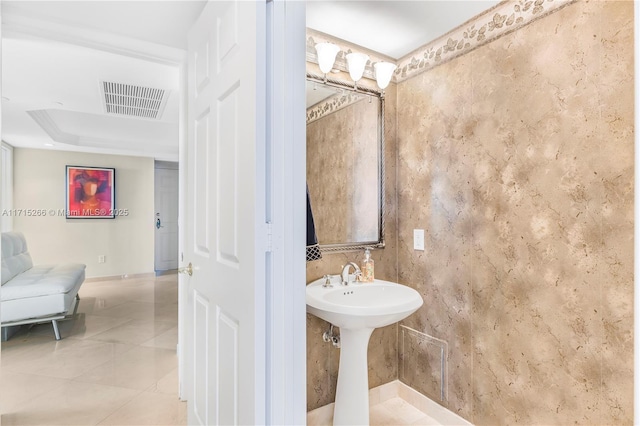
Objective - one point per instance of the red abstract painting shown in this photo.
(90, 193)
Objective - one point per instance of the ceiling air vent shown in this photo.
(133, 101)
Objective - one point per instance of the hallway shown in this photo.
(115, 365)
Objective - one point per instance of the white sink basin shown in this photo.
(362, 305)
(357, 309)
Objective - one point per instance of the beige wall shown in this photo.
(517, 160)
(127, 241)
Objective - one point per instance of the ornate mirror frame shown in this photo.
(361, 245)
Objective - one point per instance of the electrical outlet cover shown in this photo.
(418, 239)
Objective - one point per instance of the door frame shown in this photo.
(284, 394)
(285, 322)
(286, 142)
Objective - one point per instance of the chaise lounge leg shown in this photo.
(76, 303)
(55, 329)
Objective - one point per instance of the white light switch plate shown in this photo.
(418, 239)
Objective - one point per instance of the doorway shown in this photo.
(280, 319)
(166, 217)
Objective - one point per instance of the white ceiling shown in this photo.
(51, 86)
(161, 22)
(63, 81)
(52, 65)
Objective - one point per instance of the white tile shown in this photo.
(81, 327)
(72, 404)
(18, 388)
(138, 368)
(149, 409)
(132, 310)
(99, 371)
(134, 332)
(166, 340)
(95, 304)
(67, 358)
(168, 384)
(381, 415)
(23, 341)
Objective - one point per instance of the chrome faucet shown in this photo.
(345, 272)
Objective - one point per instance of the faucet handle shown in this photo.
(327, 281)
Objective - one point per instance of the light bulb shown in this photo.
(384, 72)
(357, 62)
(326, 55)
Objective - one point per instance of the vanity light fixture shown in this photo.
(384, 71)
(326, 55)
(357, 62)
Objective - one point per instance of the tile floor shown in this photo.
(115, 365)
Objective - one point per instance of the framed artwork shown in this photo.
(90, 193)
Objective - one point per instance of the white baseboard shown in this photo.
(321, 416)
(121, 277)
(430, 407)
(377, 395)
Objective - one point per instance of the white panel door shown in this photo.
(224, 216)
(166, 219)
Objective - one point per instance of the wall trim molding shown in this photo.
(502, 19)
(26, 27)
(121, 277)
(50, 127)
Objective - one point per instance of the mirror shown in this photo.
(345, 164)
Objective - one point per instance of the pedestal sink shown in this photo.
(358, 308)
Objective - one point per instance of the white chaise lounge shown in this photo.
(35, 294)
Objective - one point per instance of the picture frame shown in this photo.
(90, 192)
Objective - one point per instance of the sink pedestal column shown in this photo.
(352, 392)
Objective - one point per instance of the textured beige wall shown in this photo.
(126, 241)
(517, 160)
(323, 358)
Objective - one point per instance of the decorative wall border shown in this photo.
(331, 105)
(505, 17)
